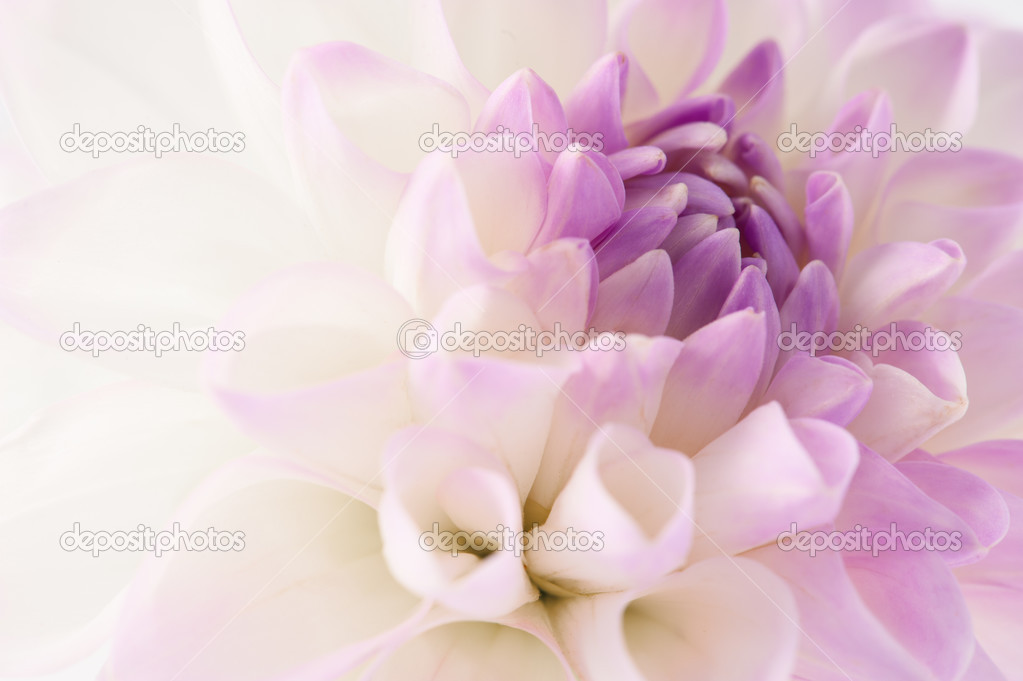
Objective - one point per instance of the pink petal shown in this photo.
(637, 298)
(595, 106)
(703, 279)
(829, 220)
(585, 196)
(738, 502)
(622, 387)
(828, 388)
(897, 281)
(711, 382)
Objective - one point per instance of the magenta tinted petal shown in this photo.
(829, 220)
(637, 298)
(595, 106)
(703, 279)
(636, 232)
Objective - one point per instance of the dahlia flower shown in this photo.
(663, 507)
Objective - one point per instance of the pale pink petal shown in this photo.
(433, 248)
(559, 283)
(557, 40)
(897, 281)
(689, 626)
(108, 460)
(829, 220)
(897, 55)
(170, 264)
(633, 498)
(518, 104)
(622, 387)
(319, 377)
(917, 393)
(904, 607)
(675, 44)
(972, 196)
(304, 545)
(438, 482)
(738, 506)
(990, 335)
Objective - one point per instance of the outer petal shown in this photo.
(319, 378)
(195, 234)
(118, 75)
(904, 607)
(917, 393)
(355, 124)
(688, 626)
(972, 196)
(558, 40)
(896, 55)
(90, 462)
(675, 44)
(304, 545)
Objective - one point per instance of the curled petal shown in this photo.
(687, 626)
(438, 483)
(738, 502)
(632, 497)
